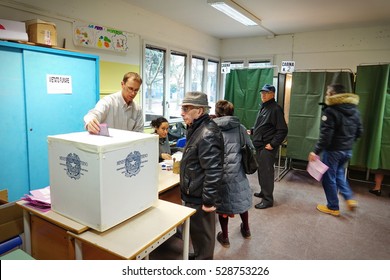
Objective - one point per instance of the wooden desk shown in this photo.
(47, 230)
(168, 186)
(138, 236)
(167, 180)
(46, 233)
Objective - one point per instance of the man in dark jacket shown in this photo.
(201, 171)
(269, 132)
(340, 127)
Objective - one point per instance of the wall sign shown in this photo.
(100, 37)
(288, 66)
(225, 67)
(59, 84)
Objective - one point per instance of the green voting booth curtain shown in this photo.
(242, 89)
(373, 86)
(307, 91)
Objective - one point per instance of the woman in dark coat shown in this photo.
(236, 194)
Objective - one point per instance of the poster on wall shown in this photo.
(100, 37)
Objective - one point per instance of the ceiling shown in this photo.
(278, 17)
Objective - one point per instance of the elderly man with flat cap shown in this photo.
(269, 132)
(201, 171)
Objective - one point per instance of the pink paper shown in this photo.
(316, 169)
(104, 129)
(39, 199)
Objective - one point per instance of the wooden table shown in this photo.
(168, 186)
(167, 180)
(46, 233)
(47, 230)
(138, 236)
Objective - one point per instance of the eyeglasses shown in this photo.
(186, 109)
(130, 89)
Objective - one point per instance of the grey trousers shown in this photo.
(202, 232)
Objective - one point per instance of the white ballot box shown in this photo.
(101, 181)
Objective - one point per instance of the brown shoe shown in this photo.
(245, 233)
(224, 241)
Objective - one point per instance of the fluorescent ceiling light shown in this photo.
(235, 11)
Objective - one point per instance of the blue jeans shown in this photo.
(334, 180)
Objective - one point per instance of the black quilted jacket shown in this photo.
(340, 123)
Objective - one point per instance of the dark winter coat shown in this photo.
(270, 126)
(340, 123)
(236, 194)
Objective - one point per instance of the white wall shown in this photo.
(337, 49)
(115, 14)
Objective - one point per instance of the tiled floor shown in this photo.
(294, 230)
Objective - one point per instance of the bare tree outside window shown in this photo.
(154, 80)
(212, 80)
(168, 74)
(176, 84)
(197, 74)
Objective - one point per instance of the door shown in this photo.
(13, 144)
(51, 114)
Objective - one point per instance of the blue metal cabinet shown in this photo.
(28, 113)
(13, 144)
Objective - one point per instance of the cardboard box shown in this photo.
(13, 30)
(3, 196)
(11, 221)
(101, 181)
(41, 32)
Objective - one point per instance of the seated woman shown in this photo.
(161, 127)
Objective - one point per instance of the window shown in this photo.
(168, 74)
(154, 82)
(212, 80)
(197, 73)
(259, 63)
(236, 64)
(177, 72)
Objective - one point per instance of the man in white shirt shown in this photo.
(118, 110)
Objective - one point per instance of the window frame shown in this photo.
(189, 55)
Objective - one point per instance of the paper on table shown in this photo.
(39, 198)
(316, 169)
(178, 156)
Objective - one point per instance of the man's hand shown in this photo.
(208, 209)
(312, 157)
(268, 147)
(93, 126)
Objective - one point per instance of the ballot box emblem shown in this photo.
(73, 166)
(133, 164)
